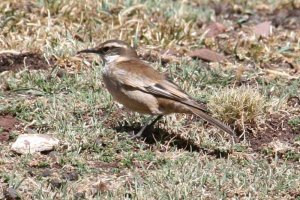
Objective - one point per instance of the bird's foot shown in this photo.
(145, 129)
(134, 136)
(138, 135)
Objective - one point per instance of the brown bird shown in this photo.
(142, 89)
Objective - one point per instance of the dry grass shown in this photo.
(243, 107)
(187, 158)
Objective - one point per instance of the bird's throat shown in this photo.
(111, 58)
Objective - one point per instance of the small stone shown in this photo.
(46, 172)
(70, 176)
(55, 183)
(215, 29)
(263, 29)
(11, 194)
(31, 143)
(79, 195)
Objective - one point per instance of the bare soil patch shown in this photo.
(14, 62)
(276, 128)
(7, 124)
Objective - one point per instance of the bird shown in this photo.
(140, 88)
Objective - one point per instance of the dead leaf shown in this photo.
(207, 55)
(263, 29)
(101, 186)
(214, 29)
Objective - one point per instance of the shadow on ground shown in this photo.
(153, 135)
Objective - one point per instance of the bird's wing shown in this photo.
(137, 74)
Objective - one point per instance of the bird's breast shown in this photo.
(130, 97)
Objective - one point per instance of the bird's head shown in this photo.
(111, 50)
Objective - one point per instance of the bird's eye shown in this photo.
(105, 49)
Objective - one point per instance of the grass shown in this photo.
(187, 158)
(242, 106)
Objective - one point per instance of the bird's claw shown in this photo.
(134, 136)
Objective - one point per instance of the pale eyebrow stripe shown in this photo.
(114, 44)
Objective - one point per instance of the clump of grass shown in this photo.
(242, 107)
(294, 123)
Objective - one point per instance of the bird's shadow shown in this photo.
(153, 135)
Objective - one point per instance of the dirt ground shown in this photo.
(7, 124)
(207, 48)
(275, 128)
(14, 62)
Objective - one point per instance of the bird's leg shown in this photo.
(147, 125)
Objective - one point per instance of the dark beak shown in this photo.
(92, 50)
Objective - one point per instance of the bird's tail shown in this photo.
(212, 121)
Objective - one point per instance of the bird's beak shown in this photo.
(92, 50)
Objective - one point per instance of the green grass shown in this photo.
(75, 108)
(187, 159)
